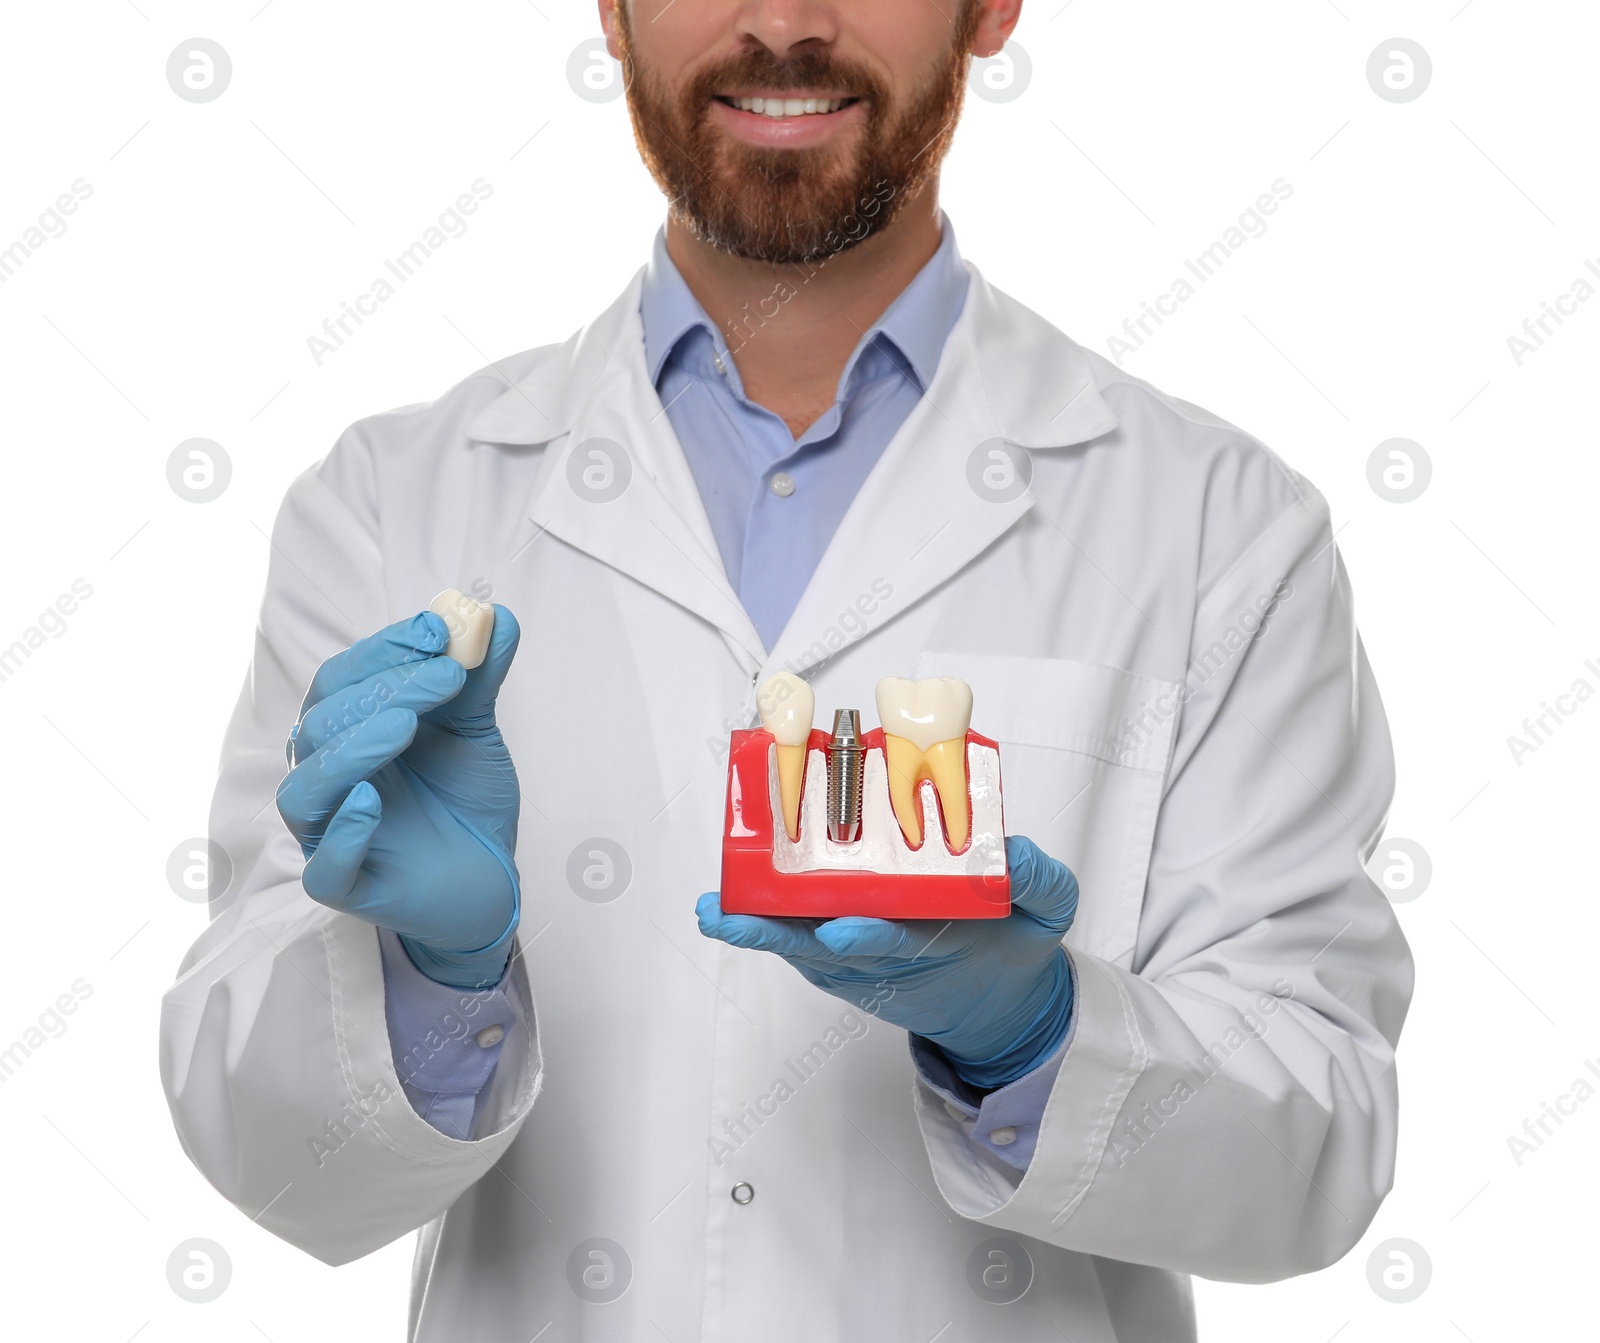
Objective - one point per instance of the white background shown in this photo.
(219, 236)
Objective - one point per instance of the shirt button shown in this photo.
(955, 1111)
(742, 1193)
(783, 484)
(490, 1036)
(722, 368)
(1003, 1137)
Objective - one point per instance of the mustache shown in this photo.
(810, 69)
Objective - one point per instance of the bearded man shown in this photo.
(808, 447)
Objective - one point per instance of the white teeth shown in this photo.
(925, 712)
(470, 624)
(788, 706)
(925, 737)
(788, 107)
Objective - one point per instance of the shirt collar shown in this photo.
(917, 323)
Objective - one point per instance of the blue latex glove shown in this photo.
(404, 798)
(994, 994)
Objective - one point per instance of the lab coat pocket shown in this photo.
(1084, 751)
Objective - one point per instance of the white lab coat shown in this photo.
(1215, 777)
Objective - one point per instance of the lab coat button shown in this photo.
(490, 1036)
(783, 484)
(1003, 1137)
(742, 1193)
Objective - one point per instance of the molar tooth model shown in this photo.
(901, 822)
(471, 623)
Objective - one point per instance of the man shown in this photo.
(450, 993)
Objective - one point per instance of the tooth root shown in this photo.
(791, 770)
(903, 764)
(946, 764)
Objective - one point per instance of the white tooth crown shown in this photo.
(788, 705)
(470, 624)
(925, 712)
(788, 107)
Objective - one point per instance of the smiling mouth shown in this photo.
(777, 107)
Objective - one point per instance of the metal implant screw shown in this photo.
(846, 770)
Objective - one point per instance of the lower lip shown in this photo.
(800, 132)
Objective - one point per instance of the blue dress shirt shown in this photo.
(774, 502)
(445, 1041)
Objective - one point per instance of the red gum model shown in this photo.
(752, 883)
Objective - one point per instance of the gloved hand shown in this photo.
(994, 994)
(404, 798)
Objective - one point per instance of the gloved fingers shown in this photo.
(418, 686)
(857, 937)
(472, 710)
(1042, 887)
(314, 789)
(793, 939)
(414, 639)
(330, 873)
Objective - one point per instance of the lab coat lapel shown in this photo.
(1006, 376)
(616, 484)
(655, 530)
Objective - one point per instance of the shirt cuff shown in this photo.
(1006, 1122)
(445, 1041)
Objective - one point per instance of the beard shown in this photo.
(785, 206)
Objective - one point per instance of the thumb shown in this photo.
(1041, 886)
(473, 707)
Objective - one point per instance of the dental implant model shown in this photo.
(902, 821)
